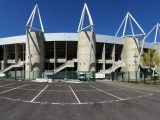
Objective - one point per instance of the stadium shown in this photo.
(100, 68)
(44, 55)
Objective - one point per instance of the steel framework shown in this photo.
(29, 24)
(81, 23)
(129, 18)
(157, 30)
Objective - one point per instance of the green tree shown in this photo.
(151, 59)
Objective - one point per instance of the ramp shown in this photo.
(65, 65)
(68, 64)
(115, 66)
(17, 65)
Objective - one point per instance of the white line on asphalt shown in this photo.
(74, 94)
(102, 102)
(7, 85)
(39, 93)
(107, 93)
(13, 89)
(137, 91)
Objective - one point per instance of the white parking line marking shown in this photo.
(137, 91)
(102, 102)
(75, 95)
(107, 93)
(39, 93)
(7, 85)
(12, 89)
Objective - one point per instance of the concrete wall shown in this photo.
(5, 57)
(86, 54)
(36, 45)
(130, 48)
(17, 52)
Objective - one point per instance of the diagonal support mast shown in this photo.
(129, 18)
(81, 23)
(81, 26)
(29, 28)
(157, 29)
(29, 23)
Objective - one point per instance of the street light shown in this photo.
(135, 61)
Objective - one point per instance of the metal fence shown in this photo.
(146, 77)
(64, 75)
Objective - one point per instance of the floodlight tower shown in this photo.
(34, 47)
(156, 28)
(129, 18)
(86, 43)
(156, 31)
(131, 43)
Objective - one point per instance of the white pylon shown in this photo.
(81, 27)
(29, 28)
(129, 18)
(29, 23)
(81, 23)
(157, 30)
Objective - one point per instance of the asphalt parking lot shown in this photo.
(83, 101)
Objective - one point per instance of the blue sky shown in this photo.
(64, 15)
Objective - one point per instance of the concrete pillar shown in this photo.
(104, 56)
(5, 57)
(86, 53)
(130, 49)
(55, 56)
(2, 65)
(36, 45)
(113, 53)
(17, 53)
(66, 50)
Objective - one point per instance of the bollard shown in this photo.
(144, 78)
(128, 76)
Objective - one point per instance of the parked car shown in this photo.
(82, 77)
(2, 75)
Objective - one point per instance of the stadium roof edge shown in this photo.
(67, 37)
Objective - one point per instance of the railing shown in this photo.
(58, 69)
(115, 66)
(18, 64)
(144, 76)
(67, 64)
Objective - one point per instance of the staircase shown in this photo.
(65, 65)
(115, 66)
(17, 65)
(68, 64)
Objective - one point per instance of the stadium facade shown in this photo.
(83, 51)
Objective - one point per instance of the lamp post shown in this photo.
(136, 66)
(153, 74)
